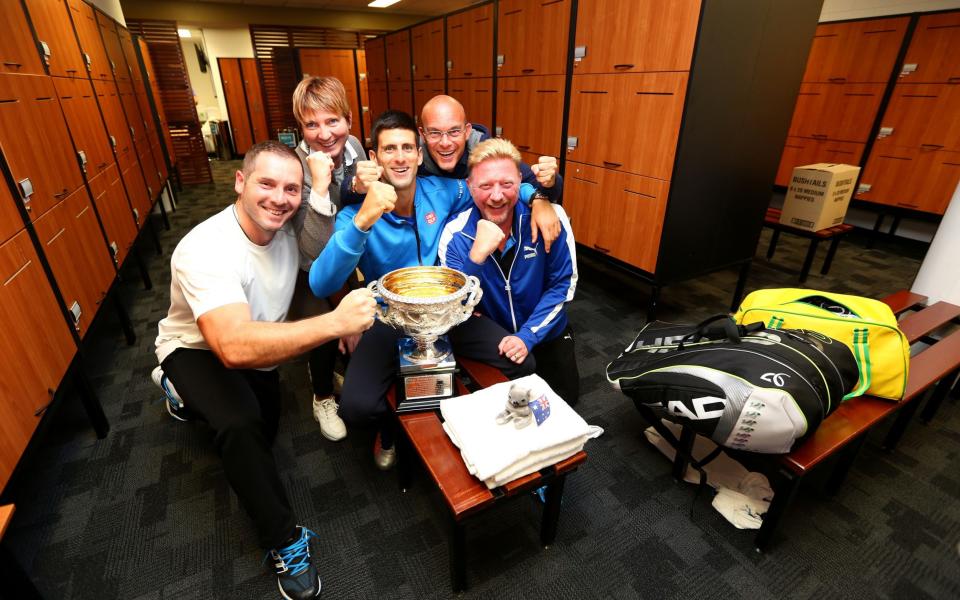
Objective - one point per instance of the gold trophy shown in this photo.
(424, 303)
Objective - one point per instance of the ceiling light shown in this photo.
(184, 33)
(382, 3)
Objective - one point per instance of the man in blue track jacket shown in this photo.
(524, 287)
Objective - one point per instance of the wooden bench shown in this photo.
(834, 234)
(464, 494)
(844, 431)
(13, 579)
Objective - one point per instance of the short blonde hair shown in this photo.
(319, 93)
(491, 149)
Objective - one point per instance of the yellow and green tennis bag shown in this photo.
(867, 326)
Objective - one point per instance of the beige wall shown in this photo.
(202, 83)
(211, 14)
(111, 7)
(838, 10)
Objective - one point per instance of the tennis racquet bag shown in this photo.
(743, 386)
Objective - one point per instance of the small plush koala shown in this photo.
(518, 407)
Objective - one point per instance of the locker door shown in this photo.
(37, 348)
(636, 35)
(470, 43)
(111, 202)
(91, 46)
(148, 166)
(427, 43)
(830, 57)
(10, 221)
(522, 97)
(80, 108)
(875, 45)
(129, 54)
(476, 95)
(935, 50)
(583, 195)
(378, 100)
(339, 64)
(888, 177)
(140, 200)
(111, 43)
(376, 59)
(398, 56)
(251, 86)
(638, 204)
(18, 54)
(117, 129)
(158, 159)
(35, 140)
(809, 111)
(523, 54)
(923, 115)
(796, 152)
(852, 109)
(236, 98)
(942, 176)
(132, 114)
(74, 247)
(401, 96)
(423, 91)
(51, 19)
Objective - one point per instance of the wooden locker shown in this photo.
(150, 175)
(10, 221)
(154, 90)
(111, 201)
(79, 104)
(427, 43)
(18, 53)
(804, 151)
(339, 64)
(379, 101)
(251, 86)
(91, 46)
(51, 20)
(140, 200)
(936, 187)
(117, 130)
(401, 96)
(130, 55)
(532, 37)
(635, 35)
(910, 178)
(836, 111)
(376, 60)
(646, 143)
(470, 43)
(157, 151)
(35, 140)
(236, 98)
(111, 43)
(925, 115)
(128, 102)
(71, 240)
(476, 95)
(363, 83)
(855, 52)
(583, 194)
(934, 50)
(398, 56)
(520, 97)
(36, 347)
(424, 90)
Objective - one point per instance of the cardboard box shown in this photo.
(818, 196)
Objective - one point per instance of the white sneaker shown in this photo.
(331, 425)
(171, 398)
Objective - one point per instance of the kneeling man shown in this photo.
(232, 278)
(524, 287)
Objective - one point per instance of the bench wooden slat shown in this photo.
(855, 416)
(918, 324)
(903, 300)
(6, 515)
(772, 219)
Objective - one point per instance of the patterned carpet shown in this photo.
(146, 513)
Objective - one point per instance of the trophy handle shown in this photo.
(473, 298)
(381, 312)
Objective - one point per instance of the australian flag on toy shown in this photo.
(540, 407)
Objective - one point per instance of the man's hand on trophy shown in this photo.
(381, 198)
(544, 220)
(546, 171)
(321, 170)
(368, 171)
(355, 312)
(487, 240)
(513, 348)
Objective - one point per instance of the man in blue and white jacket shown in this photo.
(524, 287)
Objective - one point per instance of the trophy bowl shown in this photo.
(424, 303)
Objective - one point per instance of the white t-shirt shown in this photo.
(215, 265)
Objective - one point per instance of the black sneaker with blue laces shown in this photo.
(297, 578)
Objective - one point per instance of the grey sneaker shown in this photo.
(331, 425)
(384, 458)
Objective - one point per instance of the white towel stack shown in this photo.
(498, 454)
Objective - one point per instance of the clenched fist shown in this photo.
(546, 171)
(368, 171)
(321, 170)
(381, 198)
(355, 312)
(487, 240)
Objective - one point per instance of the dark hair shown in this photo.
(392, 119)
(271, 146)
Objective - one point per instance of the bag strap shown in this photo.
(861, 352)
(719, 327)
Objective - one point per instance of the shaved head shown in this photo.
(442, 106)
(445, 129)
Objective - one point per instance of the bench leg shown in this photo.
(847, 455)
(144, 272)
(808, 261)
(941, 391)
(90, 401)
(830, 254)
(125, 323)
(458, 555)
(163, 214)
(741, 284)
(405, 459)
(652, 305)
(785, 490)
(774, 238)
(551, 510)
(876, 230)
(904, 416)
(156, 236)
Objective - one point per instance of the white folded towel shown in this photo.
(501, 453)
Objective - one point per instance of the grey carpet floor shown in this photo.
(147, 514)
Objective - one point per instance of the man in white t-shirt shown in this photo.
(232, 278)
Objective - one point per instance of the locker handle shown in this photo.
(527, 70)
(954, 79)
(612, 164)
(623, 66)
(467, 73)
(44, 408)
(12, 64)
(519, 147)
(932, 146)
(62, 194)
(819, 136)
(101, 165)
(837, 79)
(601, 249)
